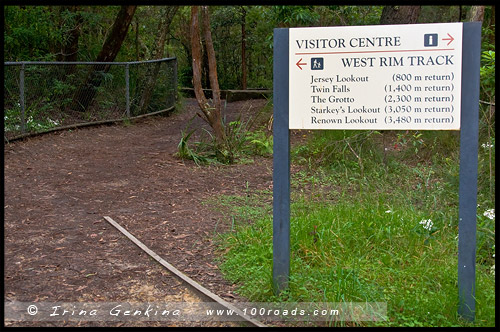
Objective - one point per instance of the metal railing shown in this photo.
(45, 96)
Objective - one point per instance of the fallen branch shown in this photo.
(197, 287)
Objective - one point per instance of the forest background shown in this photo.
(357, 163)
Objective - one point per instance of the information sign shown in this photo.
(394, 77)
(398, 77)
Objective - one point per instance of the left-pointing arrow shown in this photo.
(299, 63)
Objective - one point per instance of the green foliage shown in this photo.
(12, 118)
(441, 14)
(97, 22)
(351, 251)
(487, 117)
(357, 15)
(38, 32)
(244, 138)
(33, 121)
(361, 203)
(293, 15)
(359, 198)
(185, 77)
(184, 151)
(393, 240)
(486, 236)
(236, 136)
(260, 143)
(487, 72)
(241, 142)
(340, 147)
(29, 32)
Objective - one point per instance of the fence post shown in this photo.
(175, 80)
(127, 90)
(21, 99)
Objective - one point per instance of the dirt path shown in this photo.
(59, 186)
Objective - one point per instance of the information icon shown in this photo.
(430, 39)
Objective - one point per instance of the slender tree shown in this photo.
(243, 49)
(211, 110)
(476, 13)
(212, 64)
(181, 32)
(86, 93)
(166, 15)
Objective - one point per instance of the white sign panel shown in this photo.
(386, 77)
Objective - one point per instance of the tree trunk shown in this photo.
(212, 64)
(204, 66)
(136, 39)
(400, 14)
(196, 57)
(212, 112)
(70, 49)
(492, 25)
(86, 93)
(166, 16)
(476, 13)
(243, 49)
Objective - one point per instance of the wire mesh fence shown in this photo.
(41, 96)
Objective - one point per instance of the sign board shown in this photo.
(398, 77)
(394, 77)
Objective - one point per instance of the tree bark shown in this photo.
(86, 93)
(476, 13)
(196, 57)
(182, 33)
(204, 65)
(492, 24)
(136, 39)
(166, 16)
(211, 111)
(400, 14)
(212, 63)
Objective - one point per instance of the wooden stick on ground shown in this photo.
(205, 292)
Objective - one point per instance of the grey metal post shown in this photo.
(471, 52)
(281, 162)
(175, 80)
(127, 89)
(21, 99)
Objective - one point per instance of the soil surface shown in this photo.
(58, 187)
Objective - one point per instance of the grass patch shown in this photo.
(372, 226)
(356, 251)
